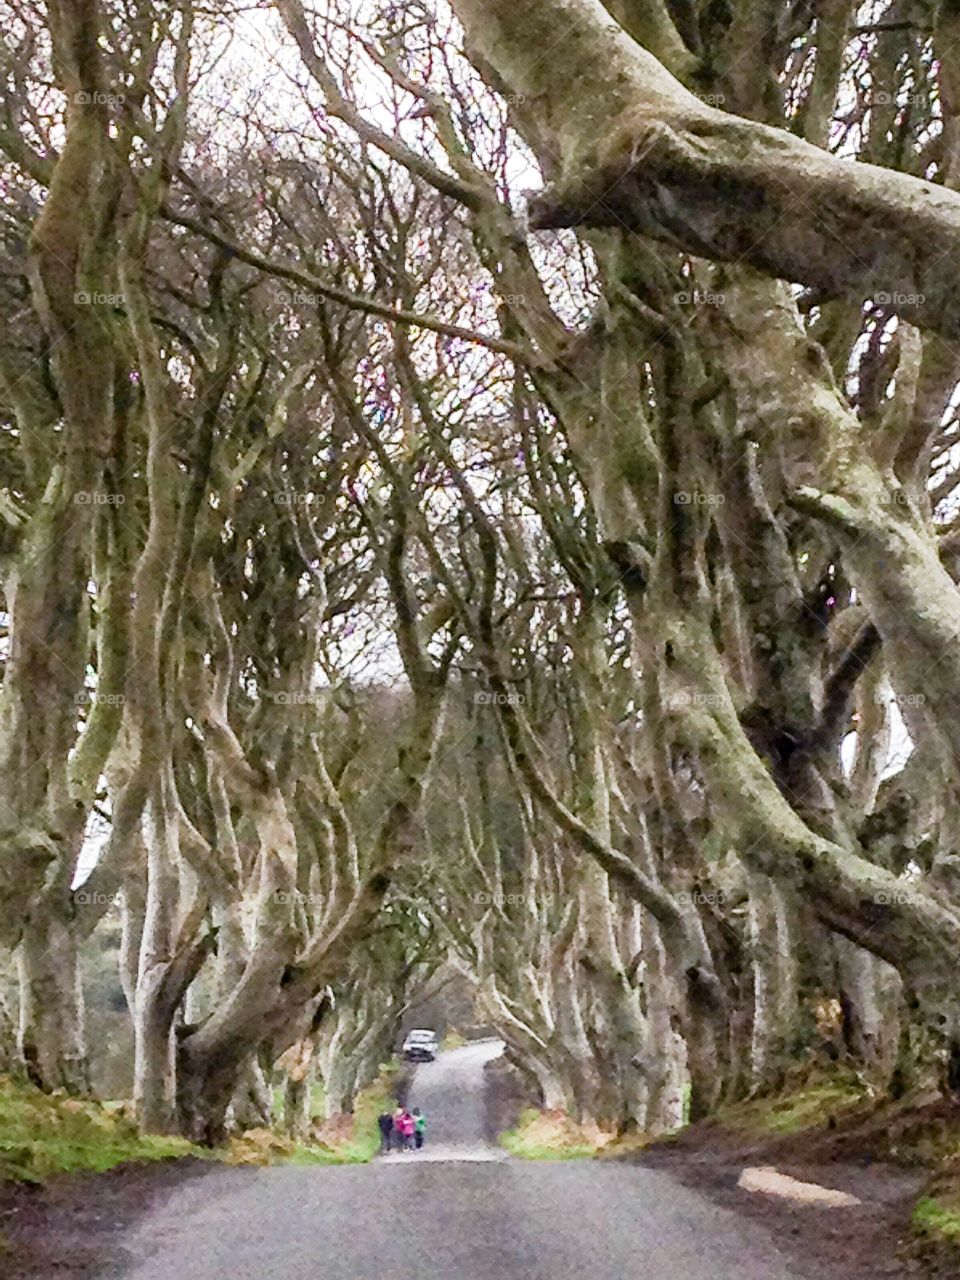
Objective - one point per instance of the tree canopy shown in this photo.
(478, 488)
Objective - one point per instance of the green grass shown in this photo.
(936, 1219)
(42, 1135)
(933, 1218)
(364, 1142)
(517, 1145)
(305, 1154)
(535, 1139)
(369, 1103)
(936, 1216)
(797, 1111)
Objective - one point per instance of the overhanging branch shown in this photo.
(355, 301)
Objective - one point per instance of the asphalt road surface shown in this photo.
(455, 1211)
(451, 1095)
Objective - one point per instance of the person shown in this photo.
(398, 1134)
(407, 1128)
(419, 1127)
(385, 1121)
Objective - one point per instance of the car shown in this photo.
(421, 1046)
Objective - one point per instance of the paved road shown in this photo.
(460, 1215)
(450, 1092)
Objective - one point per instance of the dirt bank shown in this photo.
(888, 1156)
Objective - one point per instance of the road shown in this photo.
(450, 1093)
(463, 1213)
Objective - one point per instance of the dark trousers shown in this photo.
(418, 1139)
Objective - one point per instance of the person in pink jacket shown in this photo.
(405, 1126)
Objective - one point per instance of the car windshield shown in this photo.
(422, 1035)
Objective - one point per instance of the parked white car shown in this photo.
(421, 1046)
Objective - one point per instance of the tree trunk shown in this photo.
(553, 1092)
(591, 1100)
(251, 1106)
(775, 985)
(296, 1106)
(51, 1031)
(154, 1068)
(870, 994)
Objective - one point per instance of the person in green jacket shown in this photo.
(419, 1127)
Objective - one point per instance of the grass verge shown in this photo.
(548, 1135)
(44, 1134)
(936, 1220)
(835, 1120)
(819, 1104)
(349, 1138)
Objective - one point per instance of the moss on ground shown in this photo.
(936, 1220)
(548, 1135)
(43, 1134)
(814, 1107)
(633, 1143)
(836, 1119)
(932, 1217)
(363, 1141)
(350, 1138)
